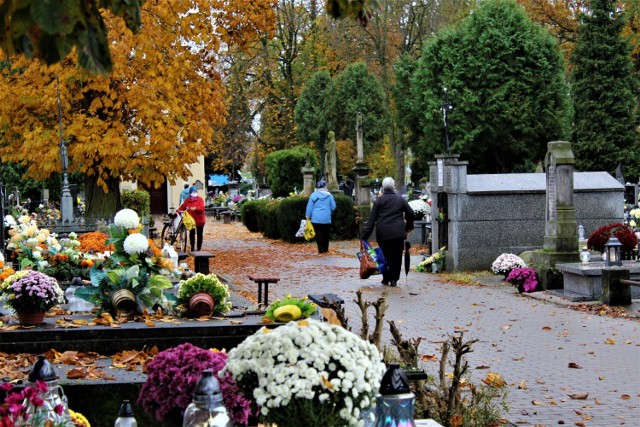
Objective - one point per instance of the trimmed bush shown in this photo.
(138, 200)
(283, 169)
(249, 214)
(268, 218)
(343, 221)
(290, 212)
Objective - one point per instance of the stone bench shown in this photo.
(583, 282)
(263, 280)
(201, 261)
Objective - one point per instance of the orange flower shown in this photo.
(6, 273)
(156, 251)
(86, 263)
(1, 263)
(93, 241)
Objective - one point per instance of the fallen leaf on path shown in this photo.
(574, 365)
(429, 358)
(522, 385)
(625, 397)
(610, 341)
(579, 396)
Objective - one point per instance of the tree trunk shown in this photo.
(101, 205)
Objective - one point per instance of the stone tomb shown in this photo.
(583, 282)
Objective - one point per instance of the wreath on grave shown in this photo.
(601, 236)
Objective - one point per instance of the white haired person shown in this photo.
(392, 218)
(320, 206)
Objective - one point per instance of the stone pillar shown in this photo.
(362, 194)
(613, 292)
(448, 177)
(307, 174)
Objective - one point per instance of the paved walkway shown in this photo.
(545, 351)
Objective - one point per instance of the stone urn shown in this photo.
(201, 304)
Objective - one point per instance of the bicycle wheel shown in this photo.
(165, 237)
(181, 238)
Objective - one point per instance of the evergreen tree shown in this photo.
(505, 80)
(359, 90)
(315, 112)
(604, 94)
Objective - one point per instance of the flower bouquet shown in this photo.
(290, 308)
(308, 373)
(523, 278)
(505, 263)
(435, 262)
(208, 284)
(31, 291)
(420, 208)
(172, 376)
(28, 242)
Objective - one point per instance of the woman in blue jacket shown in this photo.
(319, 208)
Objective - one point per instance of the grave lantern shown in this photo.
(395, 403)
(613, 252)
(54, 407)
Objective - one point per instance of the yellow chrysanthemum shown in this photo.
(78, 418)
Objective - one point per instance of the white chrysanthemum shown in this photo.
(73, 236)
(127, 218)
(136, 244)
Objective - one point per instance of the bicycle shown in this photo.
(174, 234)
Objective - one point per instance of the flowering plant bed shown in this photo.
(601, 236)
(308, 373)
(523, 278)
(505, 263)
(172, 376)
(31, 291)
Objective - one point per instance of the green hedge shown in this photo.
(280, 219)
(283, 169)
(290, 212)
(343, 220)
(268, 218)
(249, 214)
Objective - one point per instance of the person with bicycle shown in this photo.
(194, 205)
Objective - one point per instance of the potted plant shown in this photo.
(178, 369)
(290, 308)
(601, 236)
(523, 278)
(203, 294)
(435, 262)
(31, 293)
(505, 263)
(307, 373)
(421, 209)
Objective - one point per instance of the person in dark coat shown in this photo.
(392, 218)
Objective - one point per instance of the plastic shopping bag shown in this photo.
(188, 221)
(300, 232)
(367, 264)
(309, 232)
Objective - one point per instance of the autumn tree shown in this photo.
(149, 119)
(603, 94)
(505, 78)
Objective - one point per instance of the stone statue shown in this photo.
(330, 162)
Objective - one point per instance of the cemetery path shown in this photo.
(562, 366)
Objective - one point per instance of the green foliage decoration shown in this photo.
(208, 283)
(605, 93)
(49, 30)
(307, 308)
(505, 80)
(284, 169)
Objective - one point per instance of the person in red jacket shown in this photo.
(194, 204)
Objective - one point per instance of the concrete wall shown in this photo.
(493, 214)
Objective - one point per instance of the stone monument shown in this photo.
(66, 204)
(561, 230)
(361, 170)
(330, 162)
(307, 178)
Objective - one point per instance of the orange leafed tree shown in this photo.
(146, 121)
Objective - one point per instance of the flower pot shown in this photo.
(124, 302)
(287, 313)
(201, 304)
(30, 319)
